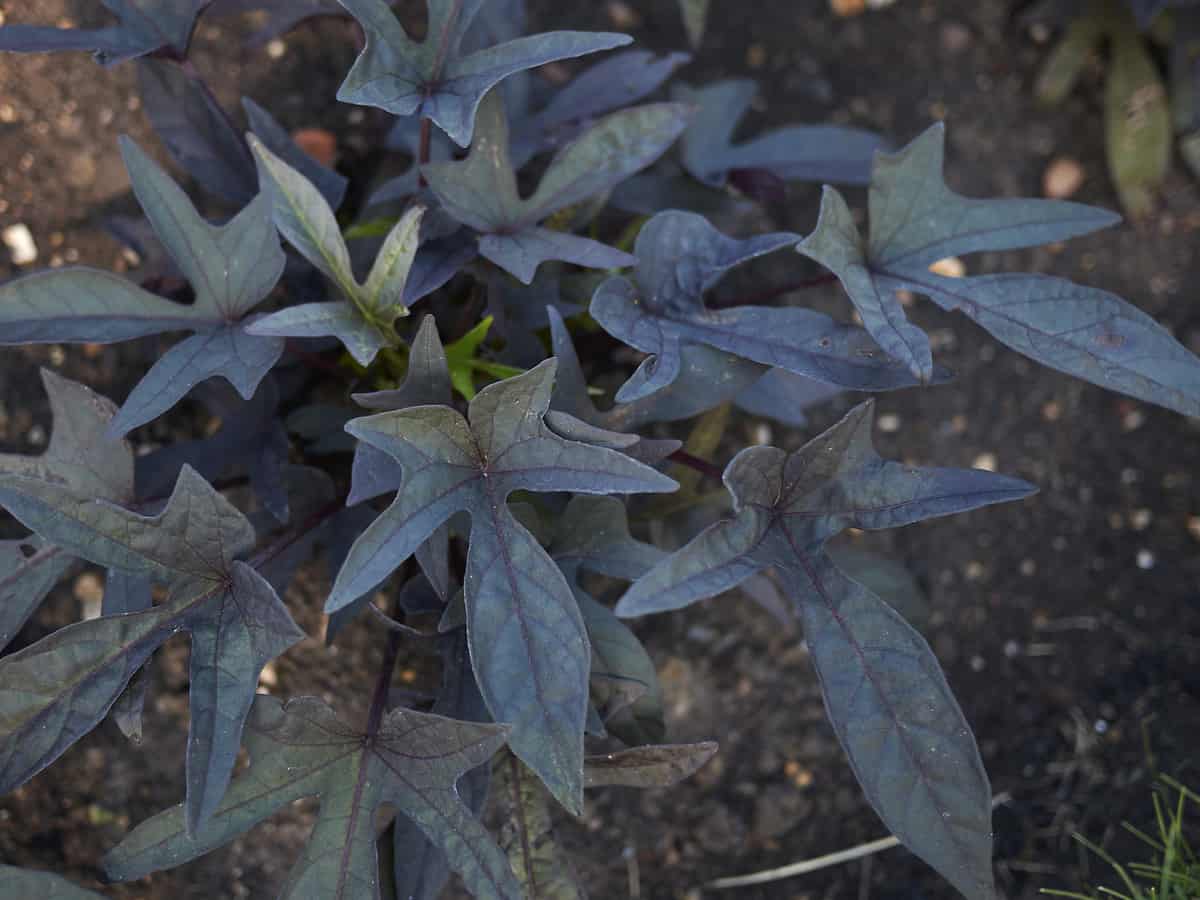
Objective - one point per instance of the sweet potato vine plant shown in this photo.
(465, 485)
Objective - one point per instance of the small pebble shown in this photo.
(847, 7)
(276, 48)
(1145, 559)
(1062, 178)
(956, 37)
(1028, 568)
(1193, 526)
(19, 241)
(622, 15)
(1140, 519)
(1051, 411)
(1133, 420)
(889, 423)
(985, 461)
(318, 143)
(756, 56)
(950, 267)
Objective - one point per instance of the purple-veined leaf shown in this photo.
(897, 720)
(680, 256)
(364, 318)
(915, 220)
(196, 131)
(614, 83)
(143, 26)
(481, 190)
(300, 749)
(34, 885)
(250, 436)
(422, 868)
(435, 78)
(799, 152)
(661, 765)
(528, 643)
(29, 569)
(231, 267)
(69, 680)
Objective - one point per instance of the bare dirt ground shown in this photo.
(1069, 625)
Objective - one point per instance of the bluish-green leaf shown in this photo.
(31, 885)
(435, 78)
(300, 749)
(528, 643)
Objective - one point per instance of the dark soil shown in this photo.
(1069, 625)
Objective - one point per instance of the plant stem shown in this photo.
(696, 463)
(423, 148)
(383, 684)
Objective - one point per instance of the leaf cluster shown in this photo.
(408, 384)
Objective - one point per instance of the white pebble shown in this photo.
(889, 423)
(1145, 559)
(19, 240)
(985, 461)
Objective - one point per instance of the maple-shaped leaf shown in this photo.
(301, 749)
(364, 318)
(32, 885)
(435, 78)
(481, 191)
(897, 720)
(680, 256)
(55, 691)
(798, 152)
(83, 458)
(528, 642)
(916, 220)
(143, 26)
(231, 267)
(592, 535)
(422, 867)
(614, 83)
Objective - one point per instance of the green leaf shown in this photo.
(695, 15)
(1137, 123)
(300, 749)
(364, 319)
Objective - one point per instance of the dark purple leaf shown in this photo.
(528, 643)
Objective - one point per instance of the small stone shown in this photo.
(1028, 568)
(89, 591)
(19, 241)
(950, 267)
(8, 114)
(318, 143)
(268, 677)
(1062, 178)
(1193, 527)
(276, 48)
(1133, 419)
(1140, 519)
(81, 171)
(762, 434)
(889, 423)
(756, 56)
(1145, 559)
(985, 461)
(847, 7)
(1051, 411)
(974, 571)
(956, 37)
(622, 15)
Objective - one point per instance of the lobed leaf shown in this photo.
(905, 735)
(435, 78)
(916, 220)
(300, 749)
(481, 190)
(680, 256)
(527, 639)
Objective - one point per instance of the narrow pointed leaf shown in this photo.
(680, 256)
(802, 152)
(26, 580)
(528, 643)
(661, 765)
(143, 27)
(436, 79)
(41, 885)
(275, 138)
(915, 220)
(196, 132)
(301, 750)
